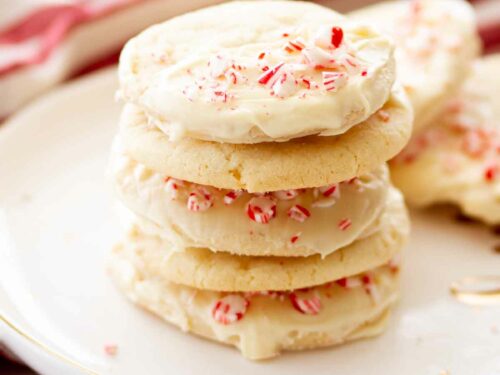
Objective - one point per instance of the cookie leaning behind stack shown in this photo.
(436, 43)
(457, 160)
(252, 153)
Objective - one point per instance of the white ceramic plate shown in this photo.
(57, 227)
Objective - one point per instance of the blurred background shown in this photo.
(44, 43)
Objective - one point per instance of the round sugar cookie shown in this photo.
(457, 160)
(204, 269)
(261, 325)
(285, 223)
(436, 41)
(264, 167)
(256, 71)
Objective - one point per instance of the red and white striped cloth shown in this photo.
(43, 43)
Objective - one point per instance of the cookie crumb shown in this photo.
(496, 248)
(111, 349)
(496, 230)
(494, 330)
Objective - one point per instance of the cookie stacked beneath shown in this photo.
(252, 154)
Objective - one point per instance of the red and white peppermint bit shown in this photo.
(230, 309)
(318, 58)
(199, 200)
(233, 76)
(231, 196)
(395, 263)
(111, 349)
(273, 294)
(329, 190)
(333, 81)
(296, 45)
(370, 287)
(285, 195)
(329, 37)
(476, 142)
(269, 74)
(285, 85)
(349, 282)
(344, 224)
(349, 63)
(337, 36)
(326, 196)
(261, 209)
(220, 95)
(218, 65)
(172, 186)
(306, 82)
(491, 172)
(307, 303)
(299, 213)
(383, 115)
(295, 238)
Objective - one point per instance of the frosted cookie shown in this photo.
(457, 160)
(257, 71)
(293, 222)
(436, 43)
(301, 163)
(204, 269)
(262, 324)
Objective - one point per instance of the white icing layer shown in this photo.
(254, 71)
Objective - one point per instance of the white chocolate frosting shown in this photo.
(296, 222)
(262, 324)
(436, 41)
(457, 160)
(255, 71)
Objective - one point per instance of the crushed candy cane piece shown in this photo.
(261, 209)
(344, 224)
(269, 74)
(475, 142)
(231, 196)
(285, 86)
(337, 36)
(172, 186)
(370, 287)
(329, 190)
(199, 200)
(230, 309)
(299, 213)
(318, 58)
(333, 81)
(285, 195)
(111, 349)
(218, 66)
(491, 172)
(383, 115)
(295, 237)
(349, 282)
(305, 302)
(296, 45)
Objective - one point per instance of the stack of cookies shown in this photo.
(252, 152)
